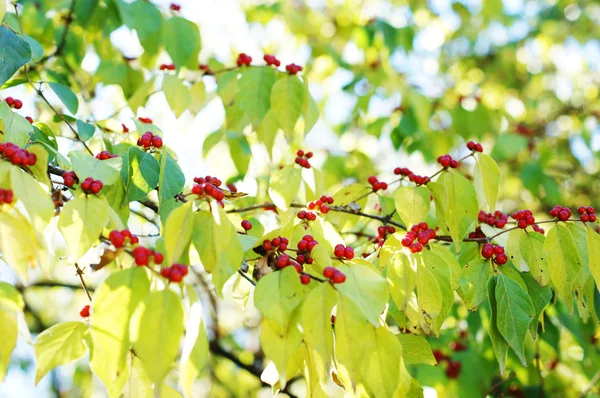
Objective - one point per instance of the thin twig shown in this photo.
(246, 277)
(83, 285)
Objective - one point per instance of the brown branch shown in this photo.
(63, 39)
(83, 285)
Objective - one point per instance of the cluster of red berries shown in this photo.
(403, 171)
(208, 185)
(271, 60)
(247, 225)
(146, 120)
(104, 155)
(447, 161)
(293, 69)
(142, 255)
(91, 186)
(148, 139)
(488, 251)
(376, 184)
(321, 204)
(587, 213)
(382, 232)
(458, 346)
(278, 242)
(524, 218)
(70, 178)
(305, 247)
(307, 215)
(175, 7)
(497, 218)
(419, 180)
(452, 367)
(477, 234)
(175, 272)
(285, 260)
(537, 228)
(474, 146)
(341, 251)
(302, 158)
(167, 67)
(244, 60)
(85, 312)
(205, 68)
(16, 155)
(562, 213)
(14, 103)
(6, 196)
(119, 238)
(421, 233)
(334, 275)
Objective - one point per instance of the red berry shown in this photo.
(339, 251)
(166, 272)
(582, 209)
(141, 259)
(18, 104)
(157, 142)
(302, 245)
(454, 367)
(397, 171)
(501, 259)
(372, 180)
(349, 253)
(487, 251)
(478, 148)
(563, 216)
(158, 258)
(276, 242)
(328, 272)
(95, 187)
(247, 225)
(308, 238)
(338, 277)
(301, 258)
(311, 245)
(498, 249)
(304, 279)
(523, 224)
(175, 276)
(283, 261)
(592, 217)
(86, 185)
(584, 217)
(85, 311)
(590, 210)
(267, 245)
(471, 145)
(530, 220)
(116, 238)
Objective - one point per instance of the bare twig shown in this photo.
(83, 285)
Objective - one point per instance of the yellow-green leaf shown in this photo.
(278, 294)
(81, 222)
(10, 297)
(156, 332)
(593, 242)
(402, 280)
(177, 94)
(197, 97)
(9, 331)
(531, 247)
(178, 233)
(36, 199)
(254, 92)
(564, 263)
(487, 180)
(287, 102)
(473, 282)
(143, 174)
(499, 344)
(58, 345)
(412, 204)
(16, 236)
(280, 344)
(15, 127)
(416, 350)
(284, 185)
(114, 303)
(86, 166)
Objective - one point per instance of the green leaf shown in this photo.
(182, 42)
(178, 233)
(487, 180)
(171, 182)
(2, 10)
(37, 51)
(115, 301)
(461, 206)
(366, 288)
(15, 53)
(86, 166)
(16, 128)
(177, 94)
(416, 350)
(278, 294)
(565, 263)
(157, 331)
(287, 102)
(450, 259)
(473, 282)
(540, 297)
(531, 247)
(10, 297)
(281, 345)
(498, 343)
(9, 331)
(254, 92)
(81, 222)
(593, 243)
(215, 239)
(284, 185)
(402, 280)
(147, 21)
(197, 359)
(85, 130)
(412, 204)
(58, 345)
(16, 237)
(143, 174)
(141, 94)
(226, 87)
(442, 274)
(66, 95)
(515, 313)
(311, 110)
